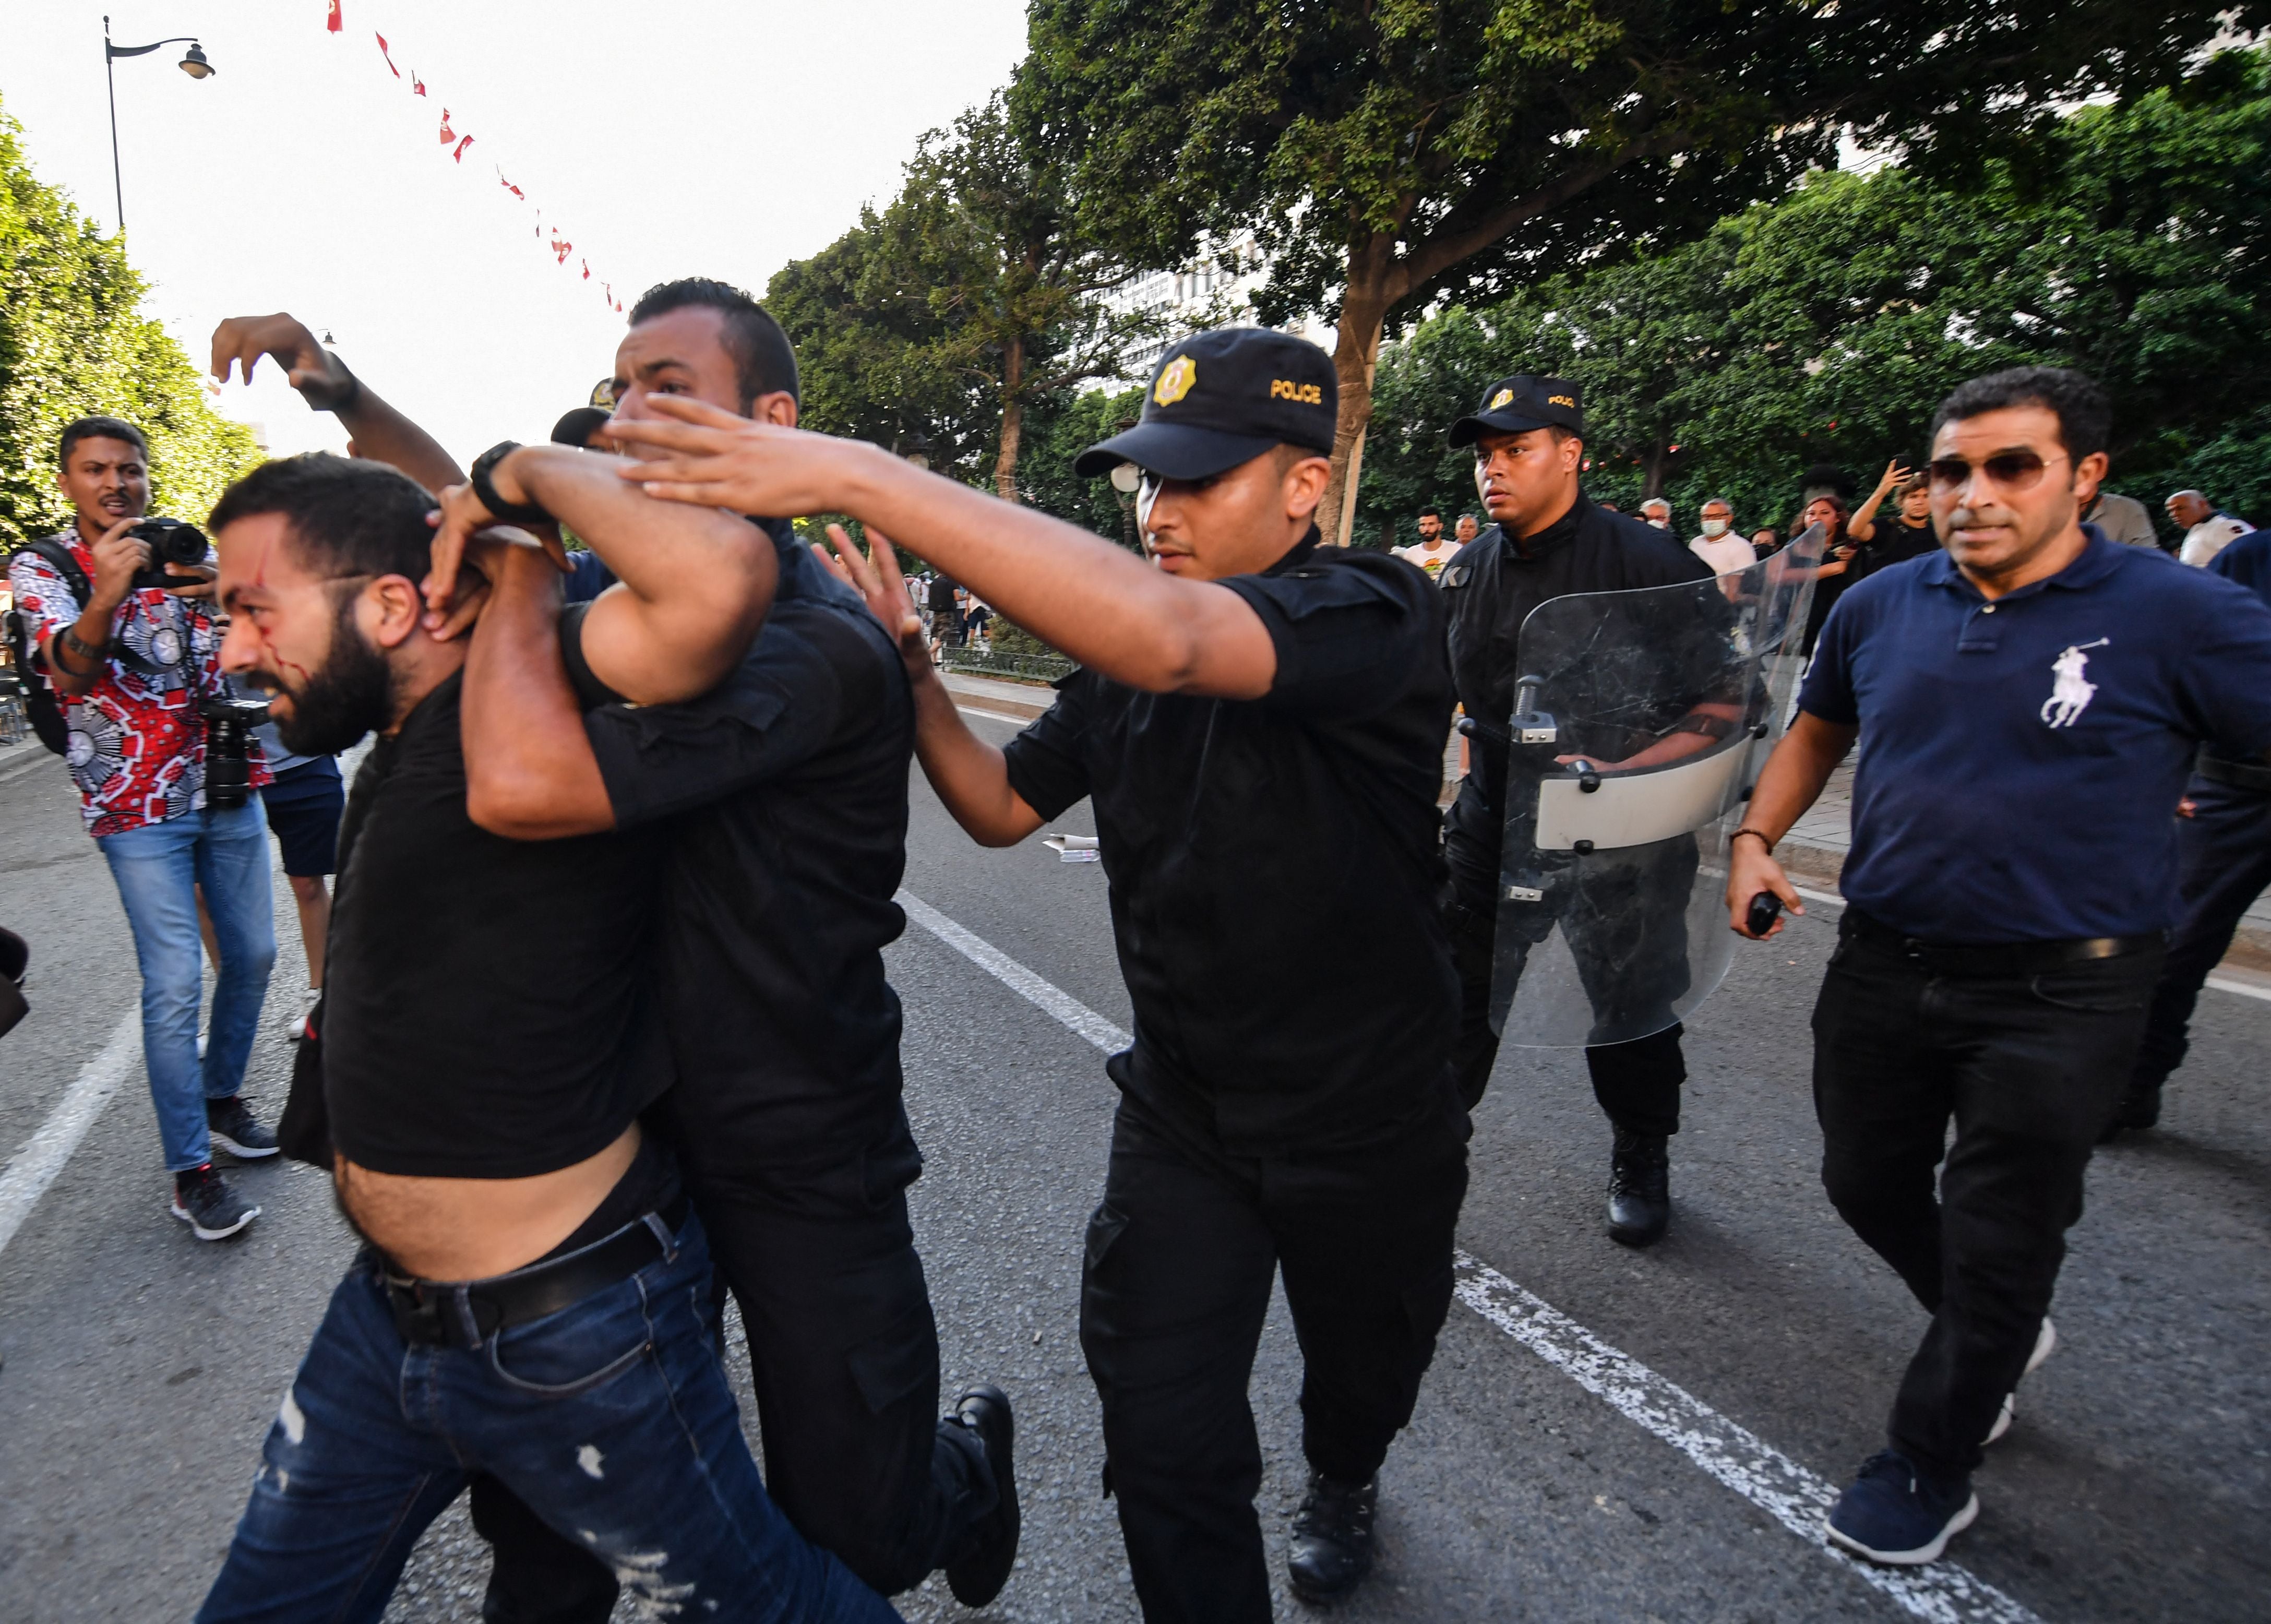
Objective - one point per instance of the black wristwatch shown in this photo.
(511, 512)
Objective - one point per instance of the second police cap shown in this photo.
(1222, 397)
(1518, 403)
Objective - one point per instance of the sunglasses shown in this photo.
(2011, 470)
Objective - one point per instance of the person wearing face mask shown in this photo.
(1258, 722)
(1655, 512)
(1718, 545)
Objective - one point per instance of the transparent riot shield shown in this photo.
(1641, 720)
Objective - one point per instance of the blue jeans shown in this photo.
(610, 1420)
(157, 867)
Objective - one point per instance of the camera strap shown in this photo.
(52, 551)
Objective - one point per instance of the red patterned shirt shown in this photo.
(138, 746)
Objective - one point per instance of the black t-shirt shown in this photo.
(485, 1010)
(785, 787)
(1894, 541)
(942, 595)
(1491, 588)
(1274, 864)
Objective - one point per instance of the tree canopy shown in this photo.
(73, 342)
(2131, 242)
(1388, 154)
(972, 296)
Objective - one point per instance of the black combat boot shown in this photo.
(1640, 1188)
(1332, 1538)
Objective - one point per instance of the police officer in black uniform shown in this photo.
(1259, 724)
(1547, 540)
(2223, 851)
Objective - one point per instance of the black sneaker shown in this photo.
(978, 1575)
(204, 1200)
(1895, 1514)
(1332, 1538)
(1640, 1188)
(233, 1129)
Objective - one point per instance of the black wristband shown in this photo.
(1760, 833)
(511, 512)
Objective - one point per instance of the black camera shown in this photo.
(228, 748)
(171, 543)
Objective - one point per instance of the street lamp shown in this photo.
(193, 63)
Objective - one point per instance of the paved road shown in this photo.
(141, 1367)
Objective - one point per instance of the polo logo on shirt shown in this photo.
(2070, 691)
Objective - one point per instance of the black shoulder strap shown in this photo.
(58, 557)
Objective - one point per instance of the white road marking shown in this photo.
(1049, 999)
(995, 715)
(1942, 1593)
(1754, 1469)
(46, 1151)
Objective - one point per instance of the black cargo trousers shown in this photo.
(844, 1357)
(1643, 952)
(1181, 1255)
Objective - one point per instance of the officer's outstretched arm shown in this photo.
(1096, 602)
(971, 776)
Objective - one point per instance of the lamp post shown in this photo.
(193, 63)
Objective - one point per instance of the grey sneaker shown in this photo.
(233, 1128)
(204, 1200)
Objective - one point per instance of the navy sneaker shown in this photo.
(234, 1129)
(1894, 1514)
(204, 1200)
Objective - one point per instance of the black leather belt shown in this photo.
(2011, 958)
(465, 1314)
(2240, 774)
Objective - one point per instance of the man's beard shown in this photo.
(350, 694)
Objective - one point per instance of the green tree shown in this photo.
(73, 342)
(1390, 154)
(1827, 326)
(969, 298)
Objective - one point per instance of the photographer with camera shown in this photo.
(115, 620)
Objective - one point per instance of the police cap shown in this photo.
(1520, 403)
(1222, 397)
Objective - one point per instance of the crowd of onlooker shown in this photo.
(1891, 525)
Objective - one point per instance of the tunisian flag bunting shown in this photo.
(449, 136)
(459, 155)
(331, 22)
(390, 68)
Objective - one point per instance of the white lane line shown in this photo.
(1942, 1593)
(995, 715)
(1754, 1469)
(2223, 984)
(46, 1151)
(1049, 999)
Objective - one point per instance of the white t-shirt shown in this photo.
(1724, 554)
(1432, 559)
(2209, 537)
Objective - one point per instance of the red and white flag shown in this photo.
(449, 136)
(459, 155)
(332, 23)
(390, 68)
(417, 84)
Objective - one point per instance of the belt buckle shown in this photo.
(416, 1316)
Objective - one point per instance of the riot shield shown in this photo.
(1641, 720)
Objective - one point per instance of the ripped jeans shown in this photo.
(611, 1420)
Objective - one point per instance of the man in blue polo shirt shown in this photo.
(2224, 851)
(2032, 699)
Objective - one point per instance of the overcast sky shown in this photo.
(716, 137)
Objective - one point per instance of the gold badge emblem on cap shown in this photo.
(1175, 380)
(1501, 399)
